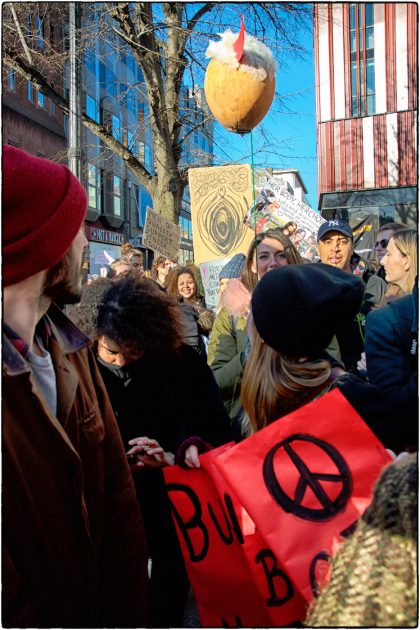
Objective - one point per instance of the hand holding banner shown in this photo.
(236, 579)
(259, 520)
(305, 479)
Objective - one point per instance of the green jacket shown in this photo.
(228, 341)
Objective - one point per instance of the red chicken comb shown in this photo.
(238, 46)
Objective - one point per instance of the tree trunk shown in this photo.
(167, 194)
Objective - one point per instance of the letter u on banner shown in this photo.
(304, 480)
(237, 580)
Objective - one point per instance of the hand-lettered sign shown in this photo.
(210, 276)
(237, 580)
(161, 235)
(304, 480)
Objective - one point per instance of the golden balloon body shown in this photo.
(236, 98)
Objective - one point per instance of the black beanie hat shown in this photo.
(297, 309)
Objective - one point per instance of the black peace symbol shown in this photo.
(329, 507)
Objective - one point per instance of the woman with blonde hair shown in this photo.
(134, 257)
(295, 313)
(400, 263)
(229, 340)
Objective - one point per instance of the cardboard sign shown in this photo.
(161, 235)
(304, 480)
(236, 578)
(210, 277)
(220, 198)
(277, 207)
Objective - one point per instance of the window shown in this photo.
(90, 60)
(131, 101)
(145, 201)
(30, 91)
(362, 60)
(110, 82)
(116, 128)
(52, 34)
(65, 37)
(41, 99)
(148, 158)
(12, 79)
(52, 107)
(117, 195)
(107, 120)
(131, 143)
(40, 31)
(131, 64)
(94, 187)
(186, 228)
(92, 108)
(123, 55)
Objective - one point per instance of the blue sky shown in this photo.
(290, 125)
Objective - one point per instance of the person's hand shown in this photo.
(361, 364)
(147, 452)
(191, 457)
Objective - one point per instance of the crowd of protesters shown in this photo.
(141, 375)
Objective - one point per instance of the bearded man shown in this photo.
(73, 542)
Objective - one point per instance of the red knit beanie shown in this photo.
(44, 205)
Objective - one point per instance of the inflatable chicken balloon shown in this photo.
(240, 80)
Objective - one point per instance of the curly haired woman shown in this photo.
(197, 319)
(161, 391)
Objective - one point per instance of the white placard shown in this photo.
(276, 207)
(210, 277)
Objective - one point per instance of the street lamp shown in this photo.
(75, 150)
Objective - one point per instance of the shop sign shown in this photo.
(104, 236)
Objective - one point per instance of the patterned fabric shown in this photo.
(42, 330)
(374, 574)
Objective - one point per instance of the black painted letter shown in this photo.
(272, 573)
(195, 521)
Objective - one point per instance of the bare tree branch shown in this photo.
(166, 40)
(21, 35)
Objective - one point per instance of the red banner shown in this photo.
(259, 520)
(305, 480)
(237, 580)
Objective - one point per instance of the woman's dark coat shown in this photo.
(168, 398)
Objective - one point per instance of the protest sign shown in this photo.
(364, 236)
(210, 277)
(220, 197)
(161, 235)
(236, 578)
(304, 480)
(277, 207)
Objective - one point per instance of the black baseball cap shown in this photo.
(335, 225)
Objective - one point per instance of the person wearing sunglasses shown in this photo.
(382, 239)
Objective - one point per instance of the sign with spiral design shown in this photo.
(220, 198)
